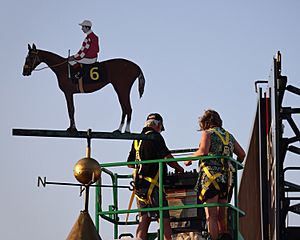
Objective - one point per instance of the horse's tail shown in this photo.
(141, 83)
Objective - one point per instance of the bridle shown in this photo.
(37, 59)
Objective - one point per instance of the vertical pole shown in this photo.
(69, 70)
(88, 155)
(86, 202)
(115, 199)
(98, 199)
(88, 147)
(161, 215)
(280, 195)
(237, 214)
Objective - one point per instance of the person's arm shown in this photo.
(83, 50)
(174, 165)
(164, 152)
(203, 149)
(239, 152)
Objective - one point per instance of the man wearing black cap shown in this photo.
(146, 175)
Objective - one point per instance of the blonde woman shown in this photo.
(214, 178)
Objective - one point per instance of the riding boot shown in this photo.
(77, 68)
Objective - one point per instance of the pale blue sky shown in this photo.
(195, 55)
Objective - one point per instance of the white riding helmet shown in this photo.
(87, 23)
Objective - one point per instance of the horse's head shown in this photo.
(31, 61)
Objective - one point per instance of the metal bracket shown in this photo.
(260, 82)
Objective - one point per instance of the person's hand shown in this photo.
(188, 163)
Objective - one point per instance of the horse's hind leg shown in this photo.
(126, 111)
(127, 128)
(128, 121)
(122, 122)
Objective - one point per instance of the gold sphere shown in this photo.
(87, 170)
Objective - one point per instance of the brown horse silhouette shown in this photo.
(121, 73)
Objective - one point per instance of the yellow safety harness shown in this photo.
(153, 181)
(212, 178)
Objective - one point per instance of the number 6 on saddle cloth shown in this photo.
(87, 73)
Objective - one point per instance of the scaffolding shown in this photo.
(113, 211)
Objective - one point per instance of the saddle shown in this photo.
(87, 73)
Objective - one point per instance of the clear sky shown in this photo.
(195, 55)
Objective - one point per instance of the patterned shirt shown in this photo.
(215, 165)
(89, 48)
(217, 147)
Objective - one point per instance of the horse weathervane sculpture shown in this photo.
(121, 73)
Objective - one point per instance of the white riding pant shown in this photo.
(84, 61)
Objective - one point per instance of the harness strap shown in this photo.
(225, 143)
(80, 85)
(226, 140)
(137, 145)
(130, 200)
(212, 178)
(130, 205)
(153, 183)
(226, 153)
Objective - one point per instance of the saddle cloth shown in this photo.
(90, 73)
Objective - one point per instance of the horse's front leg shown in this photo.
(128, 121)
(71, 111)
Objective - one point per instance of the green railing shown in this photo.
(112, 213)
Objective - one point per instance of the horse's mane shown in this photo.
(51, 53)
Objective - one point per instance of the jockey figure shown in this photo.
(88, 52)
